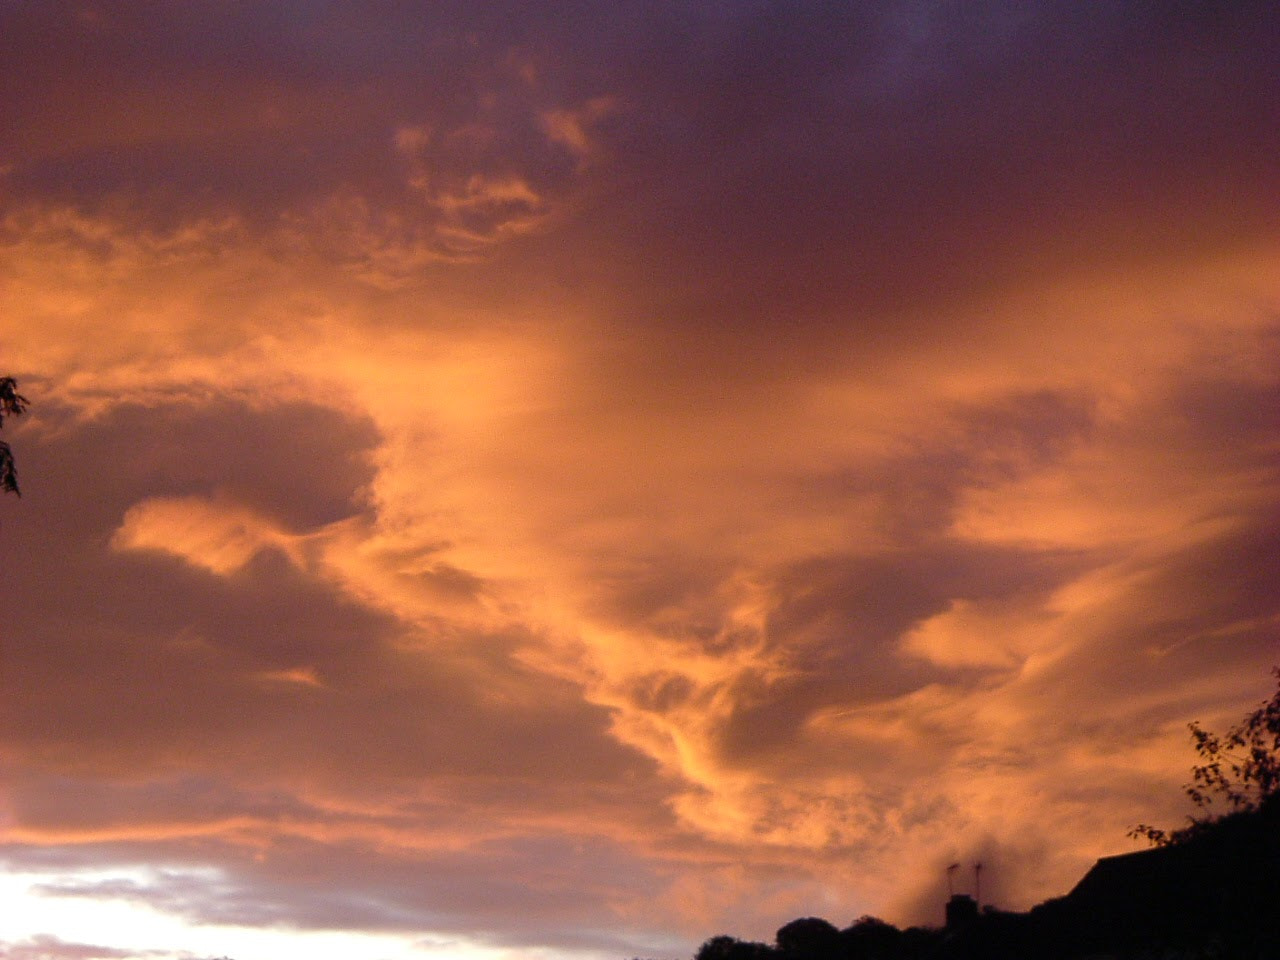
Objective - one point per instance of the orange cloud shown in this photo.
(221, 538)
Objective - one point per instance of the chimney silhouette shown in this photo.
(962, 909)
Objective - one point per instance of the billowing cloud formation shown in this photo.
(597, 480)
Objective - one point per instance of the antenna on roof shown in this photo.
(977, 883)
(951, 887)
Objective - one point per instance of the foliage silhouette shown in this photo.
(731, 948)
(12, 403)
(870, 938)
(809, 938)
(1241, 769)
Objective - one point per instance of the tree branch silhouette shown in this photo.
(1241, 768)
(12, 403)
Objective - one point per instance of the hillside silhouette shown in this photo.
(1207, 891)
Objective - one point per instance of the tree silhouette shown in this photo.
(12, 403)
(1241, 769)
(809, 938)
(870, 938)
(731, 948)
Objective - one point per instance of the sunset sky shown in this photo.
(562, 481)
